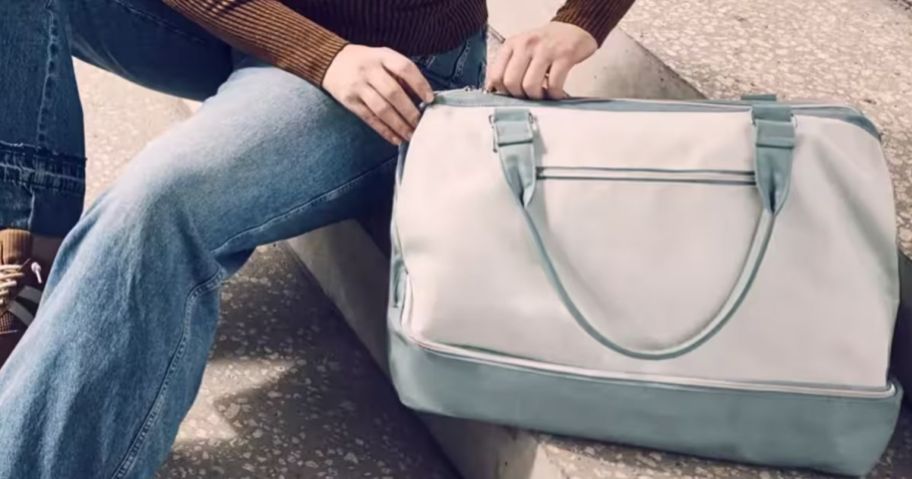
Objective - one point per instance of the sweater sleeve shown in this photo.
(269, 30)
(598, 17)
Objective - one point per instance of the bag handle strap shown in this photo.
(515, 142)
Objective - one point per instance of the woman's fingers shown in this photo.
(374, 84)
(516, 71)
(391, 90)
(366, 115)
(386, 112)
(533, 82)
(535, 64)
(496, 70)
(407, 73)
(557, 78)
(520, 71)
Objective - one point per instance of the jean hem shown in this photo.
(42, 169)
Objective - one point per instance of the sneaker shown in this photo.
(25, 260)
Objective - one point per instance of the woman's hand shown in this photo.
(535, 64)
(375, 84)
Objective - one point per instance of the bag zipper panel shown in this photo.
(498, 359)
(477, 98)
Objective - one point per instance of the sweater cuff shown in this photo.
(598, 17)
(270, 31)
(307, 53)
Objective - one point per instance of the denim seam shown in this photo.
(49, 76)
(161, 23)
(345, 187)
(459, 68)
(139, 440)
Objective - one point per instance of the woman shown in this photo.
(304, 106)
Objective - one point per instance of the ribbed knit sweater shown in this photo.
(304, 36)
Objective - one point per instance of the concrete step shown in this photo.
(665, 49)
(855, 51)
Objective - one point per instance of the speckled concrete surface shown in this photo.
(607, 461)
(289, 391)
(856, 51)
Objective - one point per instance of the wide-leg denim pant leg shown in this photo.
(113, 361)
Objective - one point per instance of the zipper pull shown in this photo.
(36, 269)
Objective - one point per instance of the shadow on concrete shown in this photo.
(290, 392)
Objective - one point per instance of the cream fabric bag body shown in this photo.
(714, 278)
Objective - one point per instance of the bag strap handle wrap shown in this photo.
(515, 140)
(775, 142)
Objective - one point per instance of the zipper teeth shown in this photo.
(539, 367)
(669, 171)
(716, 177)
(647, 179)
(838, 111)
(733, 105)
(702, 104)
(846, 113)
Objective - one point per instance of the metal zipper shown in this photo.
(457, 98)
(656, 175)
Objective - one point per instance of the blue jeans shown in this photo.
(113, 361)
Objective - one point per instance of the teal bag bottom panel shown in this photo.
(829, 434)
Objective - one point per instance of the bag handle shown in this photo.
(514, 141)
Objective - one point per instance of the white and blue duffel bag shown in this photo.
(712, 278)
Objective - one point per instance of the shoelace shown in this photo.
(10, 274)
